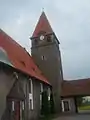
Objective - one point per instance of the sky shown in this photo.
(70, 20)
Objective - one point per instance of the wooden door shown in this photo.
(17, 110)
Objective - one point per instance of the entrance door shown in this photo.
(13, 109)
(17, 110)
(66, 106)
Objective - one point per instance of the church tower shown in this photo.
(46, 54)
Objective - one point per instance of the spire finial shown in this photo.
(42, 25)
(43, 9)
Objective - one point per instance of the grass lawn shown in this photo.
(87, 107)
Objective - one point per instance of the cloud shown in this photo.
(70, 21)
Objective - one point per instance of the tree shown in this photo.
(79, 101)
(52, 109)
(45, 104)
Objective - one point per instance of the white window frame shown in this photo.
(13, 106)
(43, 57)
(41, 87)
(67, 100)
(41, 90)
(23, 105)
(22, 108)
(31, 95)
(49, 92)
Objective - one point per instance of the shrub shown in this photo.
(52, 108)
(45, 104)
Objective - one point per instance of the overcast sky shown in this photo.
(70, 20)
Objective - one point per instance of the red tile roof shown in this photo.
(42, 25)
(20, 59)
(76, 87)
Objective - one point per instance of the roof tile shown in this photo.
(42, 25)
(20, 59)
(76, 87)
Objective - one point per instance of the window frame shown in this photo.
(41, 90)
(31, 106)
(43, 57)
(13, 105)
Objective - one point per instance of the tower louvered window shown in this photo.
(49, 38)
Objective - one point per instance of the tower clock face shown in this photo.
(42, 37)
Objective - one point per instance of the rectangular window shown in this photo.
(41, 90)
(49, 92)
(41, 87)
(13, 106)
(65, 105)
(49, 38)
(29, 86)
(40, 101)
(43, 57)
(30, 94)
(30, 104)
(22, 107)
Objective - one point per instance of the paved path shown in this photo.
(74, 117)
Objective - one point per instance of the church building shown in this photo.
(23, 77)
(21, 82)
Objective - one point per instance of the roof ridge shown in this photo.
(13, 40)
(42, 25)
(76, 79)
(18, 55)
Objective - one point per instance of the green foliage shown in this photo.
(45, 104)
(87, 107)
(52, 109)
(79, 101)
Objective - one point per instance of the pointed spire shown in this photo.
(42, 25)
